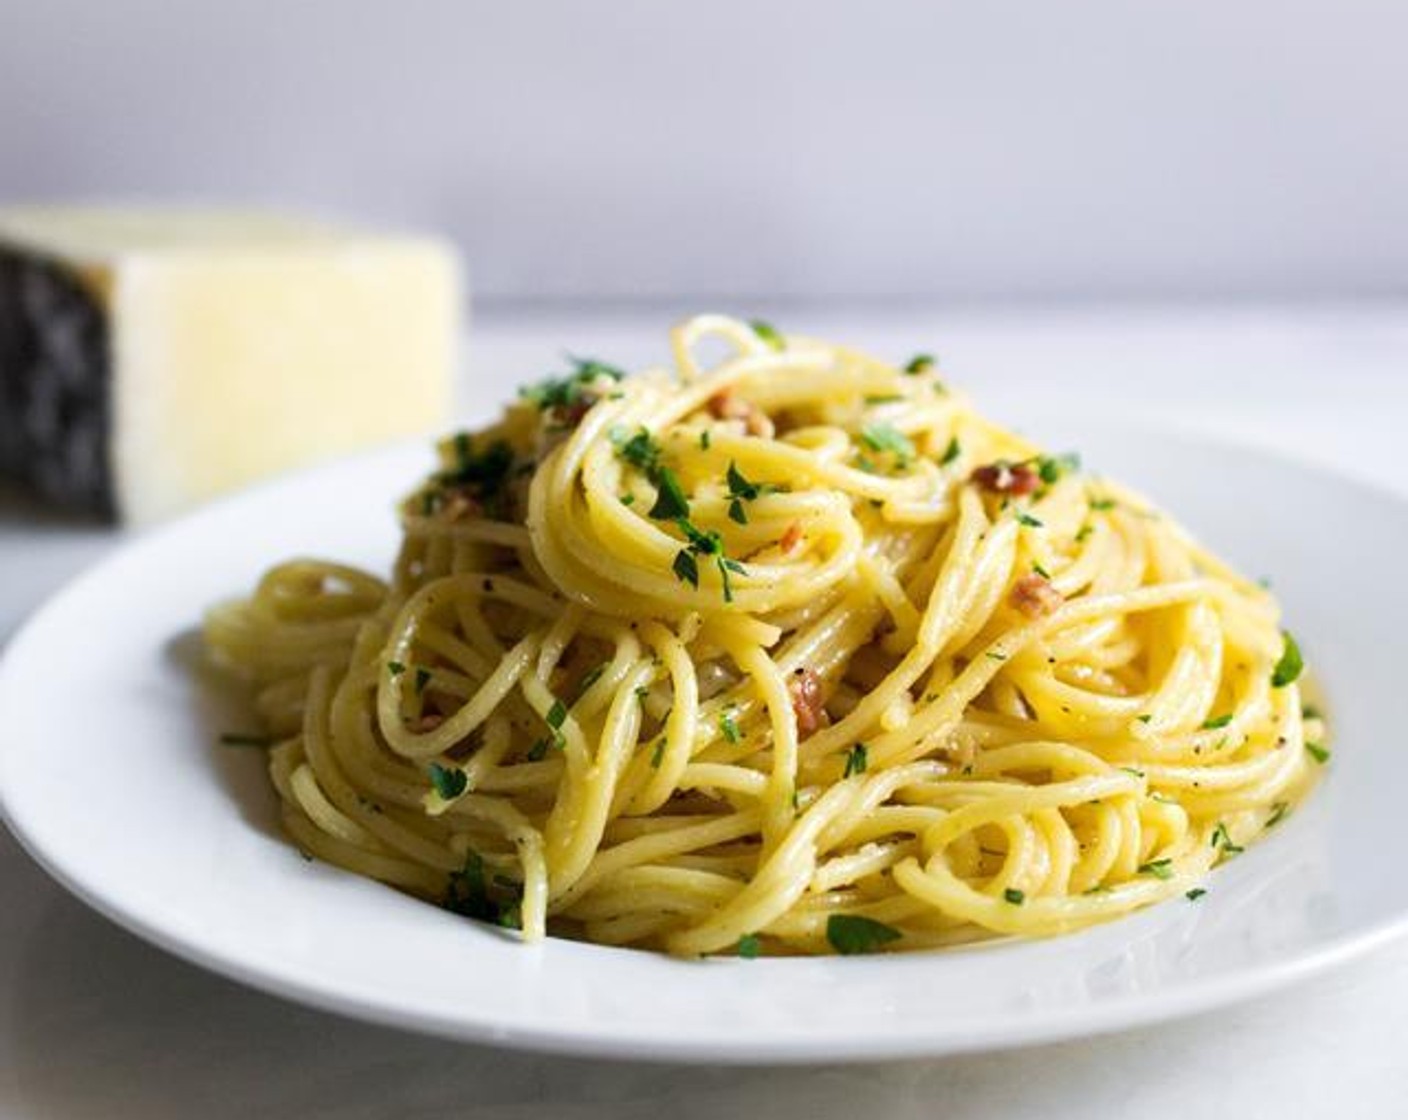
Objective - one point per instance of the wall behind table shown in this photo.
(866, 150)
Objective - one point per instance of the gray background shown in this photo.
(877, 151)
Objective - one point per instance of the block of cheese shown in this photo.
(150, 359)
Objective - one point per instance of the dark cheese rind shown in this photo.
(55, 385)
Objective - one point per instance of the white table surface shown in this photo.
(94, 1023)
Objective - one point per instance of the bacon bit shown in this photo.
(805, 690)
(1034, 596)
(728, 405)
(459, 506)
(1003, 477)
(428, 722)
(792, 538)
(568, 416)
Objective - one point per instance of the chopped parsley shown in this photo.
(850, 934)
(857, 759)
(702, 543)
(729, 727)
(686, 569)
(240, 739)
(449, 782)
(1278, 813)
(1050, 468)
(951, 452)
(589, 678)
(1084, 534)
(1194, 894)
(1222, 840)
(886, 437)
(1290, 666)
(1024, 518)
(557, 715)
(920, 363)
(539, 750)
(1145, 718)
(423, 677)
(1102, 504)
(741, 490)
(1217, 722)
(670, 502)
(564, 392)
(628, 499)
(768, 333)
(640, 450)
(1319, 753)
(1310, 711)
(1039, 570)
(748, 946)
(395, 668)
(1014, 896)
(726, 566)
(469, 892)
(1158, 868)
(657, 756)
(481, 474)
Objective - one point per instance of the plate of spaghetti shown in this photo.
(769, 704)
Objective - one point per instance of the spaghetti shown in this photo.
(788, 652)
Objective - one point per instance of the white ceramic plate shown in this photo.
(111, 778)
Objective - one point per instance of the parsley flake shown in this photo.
(1194, 894)
(886, 437)
(1024, 518)
(670, 501)
(920, 363)
(1222, 839)
(470, 892)
(564, 392)
(685, 568)
(1319, 753)
(449, 782)
(1158, 868)
(748, 946)
(1014, 896)
(1050, 468)
(640, 450)
(951, 452)
(768, 333)
(1217, 722)
(729, 727)
(395, 668)
(589, 678)
(850, 934)
(1290, 666)
(857, 759)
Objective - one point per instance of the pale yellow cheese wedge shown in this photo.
(192, 352)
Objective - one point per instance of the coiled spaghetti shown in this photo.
(788, 653)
